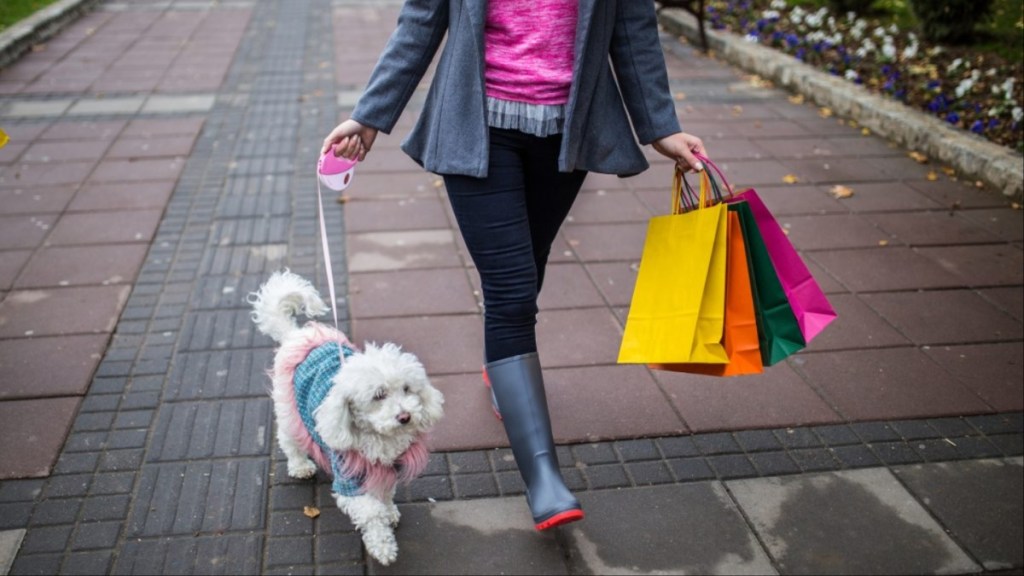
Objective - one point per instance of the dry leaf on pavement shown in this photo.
(918, 157)
(790, 179)
(840, 191)
(932, 176)
(825, 112)
(311, 511)
(797, 99)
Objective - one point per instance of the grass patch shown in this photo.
(13, 11)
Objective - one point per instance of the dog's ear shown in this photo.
(334, 420)
(433, 402)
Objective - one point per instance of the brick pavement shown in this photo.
(181, 191)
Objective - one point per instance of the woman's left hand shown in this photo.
(681, 147)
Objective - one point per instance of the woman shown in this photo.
(529, 96)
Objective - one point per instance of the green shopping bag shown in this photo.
(778, 331)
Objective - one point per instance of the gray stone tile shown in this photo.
(487, 536)
(10, 541)
(615, 539)
(978, 501)
(848, 522)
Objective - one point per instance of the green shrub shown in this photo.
(950, 21)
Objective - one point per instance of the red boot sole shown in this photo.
(560, 519)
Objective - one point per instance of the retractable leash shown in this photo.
(336, 173)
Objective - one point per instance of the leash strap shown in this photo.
(327, 259)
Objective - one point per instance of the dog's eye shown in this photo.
(380, 394)
(406, 389)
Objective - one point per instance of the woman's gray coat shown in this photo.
(451, 135)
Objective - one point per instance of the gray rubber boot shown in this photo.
(518, 386)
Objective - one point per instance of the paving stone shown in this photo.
(475, 485)
(976, 447)
(122, 196)
(797, 437)
(219, 374)
(779, 397)
(289, 551)
(591, 454)
(872, 524)
(25, 231)
(15, 515)
(67, 486)
(82, 265)
(678, 446)
(888, 384)
(856, 326)
(636, 450)
(649, 473)
(62, 311)
(37, 564)
(689, 469)
(479, 537)
(196, 430)
(994, 371)
(96, 535)
(983, 266)
(896, 453)
(998, 423)
(925, 317)
(774, 463)
(660, 543)
(731, 466)
(469, 422)
(339, 547)
(35, 200)
(888, 268)
(913, 429)
(20, 490)
(978, 502)
(606, 476)
(936, 450)
(951, 427)
(568, 286)
(33, 433)
(120, 227)
(716, 443)
(229, 553)
(855, 456)
(42, 540)
(1008, 444)
(468, 462)
(836, 435)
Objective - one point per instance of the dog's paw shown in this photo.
(383, 550)
(301, 468)
(394, 515)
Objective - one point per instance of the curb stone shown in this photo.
(40, 26)
(968, 154)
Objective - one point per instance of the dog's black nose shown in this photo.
(404, 417)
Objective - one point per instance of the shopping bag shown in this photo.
(778, 331)
(678, 304)
(740, 336)
(810, 306)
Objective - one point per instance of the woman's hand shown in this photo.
(681, 147)
(352, 138)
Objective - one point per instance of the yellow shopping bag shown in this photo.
(678, 307)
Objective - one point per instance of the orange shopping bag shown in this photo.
(739, 336)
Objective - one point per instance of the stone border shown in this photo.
(44, 24)
(970, 155)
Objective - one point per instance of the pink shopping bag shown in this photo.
(813, 311)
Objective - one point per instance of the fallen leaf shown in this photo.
(679, 95)
(918, 157)
(825, 112)
(574, 243)
(948, 171)
(883, 242)
(737, 110)
(797, 99)
(438, 183)
(979, 184)
(311, 511)
(343, 198)
(865, 131)
(1015, 205)
(840, 191)
(790, 179)
(4, 138)
(853, 124)
(932, 176)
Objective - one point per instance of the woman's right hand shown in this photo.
(353, 140)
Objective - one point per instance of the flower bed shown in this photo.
(980, 93)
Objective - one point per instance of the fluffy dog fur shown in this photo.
(376, 413)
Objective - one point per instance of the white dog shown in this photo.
(361, 416)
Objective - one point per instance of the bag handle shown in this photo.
(707, 161)
(685, 199)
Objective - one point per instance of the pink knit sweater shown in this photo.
(529, 50)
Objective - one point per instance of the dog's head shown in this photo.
(380, 403)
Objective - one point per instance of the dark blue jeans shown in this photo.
(509, 221)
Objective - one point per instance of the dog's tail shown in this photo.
(284, 296)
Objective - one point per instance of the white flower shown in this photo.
(910, 51)
(975, 74)
(770, 14)
(888, 50)
(1008, 86)
(851, 75)
(1017, 113)
(893, 29)
(954, 65)
(751, 38)
(964, 87)
(778, 4)
(990, 72)
(993, 111)
(879, 32)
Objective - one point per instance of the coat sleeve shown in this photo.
(421, 27)
(639, 65)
